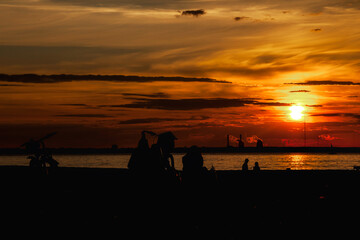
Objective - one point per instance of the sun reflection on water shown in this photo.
(297, 161)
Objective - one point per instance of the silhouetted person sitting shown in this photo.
(162, 159)
(35, 161)
(193, 160)
(157, 162)
(245, 165)
(194, 171)
(256, 167)
(36, 165)
(48, 158)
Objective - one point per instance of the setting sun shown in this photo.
(296, 112)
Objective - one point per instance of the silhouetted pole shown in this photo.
(304, 131)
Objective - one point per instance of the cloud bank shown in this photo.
(34, 78)
(193, 103)
(326, 82)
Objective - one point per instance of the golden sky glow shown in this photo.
(259, 57)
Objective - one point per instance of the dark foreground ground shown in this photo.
(86, 202)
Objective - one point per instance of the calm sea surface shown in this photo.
(219, 161)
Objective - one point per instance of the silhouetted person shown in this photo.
(36, 168)
(193, 160)
(194, 171)
(155, 163)
(163, 173)
(162, 159)
(48, 158)
(245, 166)
(139, 159)
(256, 167)
(195, 176)
(35, 161)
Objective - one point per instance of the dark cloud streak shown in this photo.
(34, 78)
(326, 82)
(156, 120)
(73, 104)
(154, 95)
(300, 91)
(326, 115)
(195, 13)
(351, 115)
(240, 18)
(85, 115)
(193, 103)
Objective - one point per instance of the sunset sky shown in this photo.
(202, 69)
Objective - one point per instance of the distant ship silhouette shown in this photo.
(332, 150)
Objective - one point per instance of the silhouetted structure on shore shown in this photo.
(238, 140)
(241, 143)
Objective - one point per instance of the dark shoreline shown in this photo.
(107, 200)
(75, 151)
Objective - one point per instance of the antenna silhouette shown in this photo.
(304, 130)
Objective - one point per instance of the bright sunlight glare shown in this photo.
(296, 112)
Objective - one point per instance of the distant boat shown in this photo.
(332, 151)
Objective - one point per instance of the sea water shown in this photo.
(228, 161)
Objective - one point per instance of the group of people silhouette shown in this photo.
(245, 166)
(157, 160)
